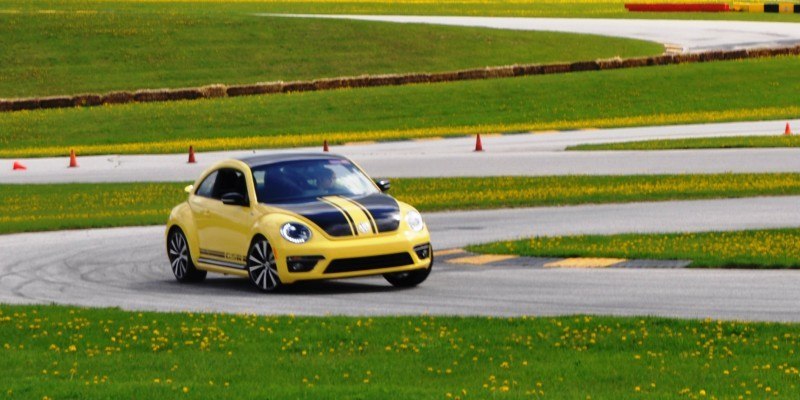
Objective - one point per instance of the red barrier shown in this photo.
(674, 7)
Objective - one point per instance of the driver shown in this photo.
(325, 179)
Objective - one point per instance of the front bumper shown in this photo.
(350, 258)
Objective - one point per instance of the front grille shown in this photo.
(368, 263)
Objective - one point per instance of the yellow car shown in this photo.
(284, 218)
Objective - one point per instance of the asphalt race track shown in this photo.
(690, 36)
(127, 267)
(522, 154)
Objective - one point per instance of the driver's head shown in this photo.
(325, 178)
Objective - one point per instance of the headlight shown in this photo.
(295, 232)
(414, 221)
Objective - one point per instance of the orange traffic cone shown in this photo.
(191, 156)
(18, 166)
(73, 161)
(325, 145)
(478, 144)
(788, 130)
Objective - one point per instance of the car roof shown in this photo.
(266, 159)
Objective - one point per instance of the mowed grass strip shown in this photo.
(506, 8)
(106, 49)
(66, 352)
(773, 248)
(642, 96)
(25, 208)
(698, 143)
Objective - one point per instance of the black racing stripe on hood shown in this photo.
(384, 209)
(324, 215)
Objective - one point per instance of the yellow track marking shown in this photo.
(584, 262)
(448, 252)
(481, 259)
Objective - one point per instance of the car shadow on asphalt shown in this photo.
(229, 286)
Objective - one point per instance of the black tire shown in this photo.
(409, 278)
(180, 258)
(261, 266)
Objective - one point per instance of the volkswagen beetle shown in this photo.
(283, 218)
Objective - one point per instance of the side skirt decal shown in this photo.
(222, 263)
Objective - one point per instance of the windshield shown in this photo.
(305, 180)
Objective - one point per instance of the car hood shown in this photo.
(343, 216)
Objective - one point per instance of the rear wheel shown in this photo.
(181, 260)
(409, 278)
(262, 266)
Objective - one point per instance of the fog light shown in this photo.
(302, 263)
(423, 251)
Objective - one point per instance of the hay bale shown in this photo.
(664, 59)
(686, 58)
(183, 94)
(471, 74)
(582, 66)
(759, 53)
(383, 80)
(610, 63)
(213, 91)
(298, 86)
(532, 69)
(87, 100)
(356, 81)
(444, 77)
(711, 56)
(55, 102)
(414, 78)
(330, 84)
(150, 95)
(5, 105)
(634, 62)
(117, 98)
(556, 68)
(734, 55)
(24, 104)
(500, 72)
(780, 52)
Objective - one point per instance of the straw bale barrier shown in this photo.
(118, 98)
(263, 88)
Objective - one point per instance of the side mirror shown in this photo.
(383, 184)
(188, 189)
(235, 199)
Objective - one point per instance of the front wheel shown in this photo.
(410, 278)
(181, 260)
(262, 268)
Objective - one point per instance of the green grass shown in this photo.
(149, 47)
(655, 95)
(698, 143)
(56, 352)
(538, 8)
(775, 248)
(26, 208)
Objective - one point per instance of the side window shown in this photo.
(229, 181)
(206, 189)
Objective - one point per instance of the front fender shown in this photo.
(181, 217)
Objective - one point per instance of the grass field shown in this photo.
(63, 206)
(642, 96)
(69, 53)
(55, 352)
(510, 8)
(698, 143)
(775, 248)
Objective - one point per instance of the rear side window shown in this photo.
(206, 188)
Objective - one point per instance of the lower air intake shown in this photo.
(368, 263)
